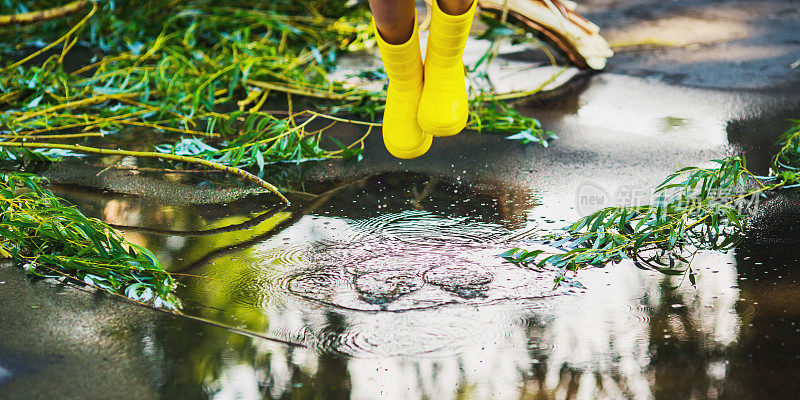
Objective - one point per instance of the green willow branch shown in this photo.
(697, 209)
(175, 75)
(171, 157)
(63, 38)
(47, 236)
(43, 15)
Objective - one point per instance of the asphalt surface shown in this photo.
(692, 81)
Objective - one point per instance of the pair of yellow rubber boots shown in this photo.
(430, 100)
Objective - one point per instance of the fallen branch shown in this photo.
(44, 15)
(51, 45)
(146, 154)
(578, 38)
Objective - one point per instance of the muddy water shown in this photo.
(388, 286)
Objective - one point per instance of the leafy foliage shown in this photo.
(487, 113)
(786, 164)
(202, 70)
(498, 117)
(25, 156)
(697, 209)
(179, 67)
(50, 237)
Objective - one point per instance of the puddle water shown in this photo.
(383, 283)
(389, 286)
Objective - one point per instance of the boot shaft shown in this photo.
(402, 62)
(448, 36)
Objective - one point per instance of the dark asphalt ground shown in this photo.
(655, 109)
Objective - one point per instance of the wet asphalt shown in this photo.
(658, 107)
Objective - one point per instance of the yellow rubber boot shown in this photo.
(402, 135)
(444, 106)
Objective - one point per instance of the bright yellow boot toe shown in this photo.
(402, 134)
(444, 106)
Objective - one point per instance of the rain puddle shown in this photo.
(382, 279)
(389, 285)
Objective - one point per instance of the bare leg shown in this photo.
(455, 7)
(394, 19)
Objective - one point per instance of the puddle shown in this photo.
(389, 286)
(382, 281)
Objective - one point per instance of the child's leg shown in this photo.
(394, 19)
(398, 41)
(455, 7)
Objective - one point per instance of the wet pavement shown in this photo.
(381, 281)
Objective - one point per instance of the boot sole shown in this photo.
(413, 153)
(444, 131)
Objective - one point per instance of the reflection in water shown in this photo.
(756, 135)
(397, 262)
(391, 288)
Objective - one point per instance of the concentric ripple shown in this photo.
(426, 228)
(408, 261)
(639, 313)
(287, 255)
(466, 283)
(428, 332)
(382, 287)
(402, 283)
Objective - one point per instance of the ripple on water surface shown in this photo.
(405, 283)
(426, 228)
(398, 284)
(409, 261)
(402, 283)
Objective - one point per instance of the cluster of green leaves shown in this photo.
(486, 112)
(696, 209)
(268, 140)
(124, 25)
(22, 157)
(184, 67)
(50, 237)
(499, 117)
(786, 163)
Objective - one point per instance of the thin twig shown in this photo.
(51, 45)
(172, 157)
(43, 15)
